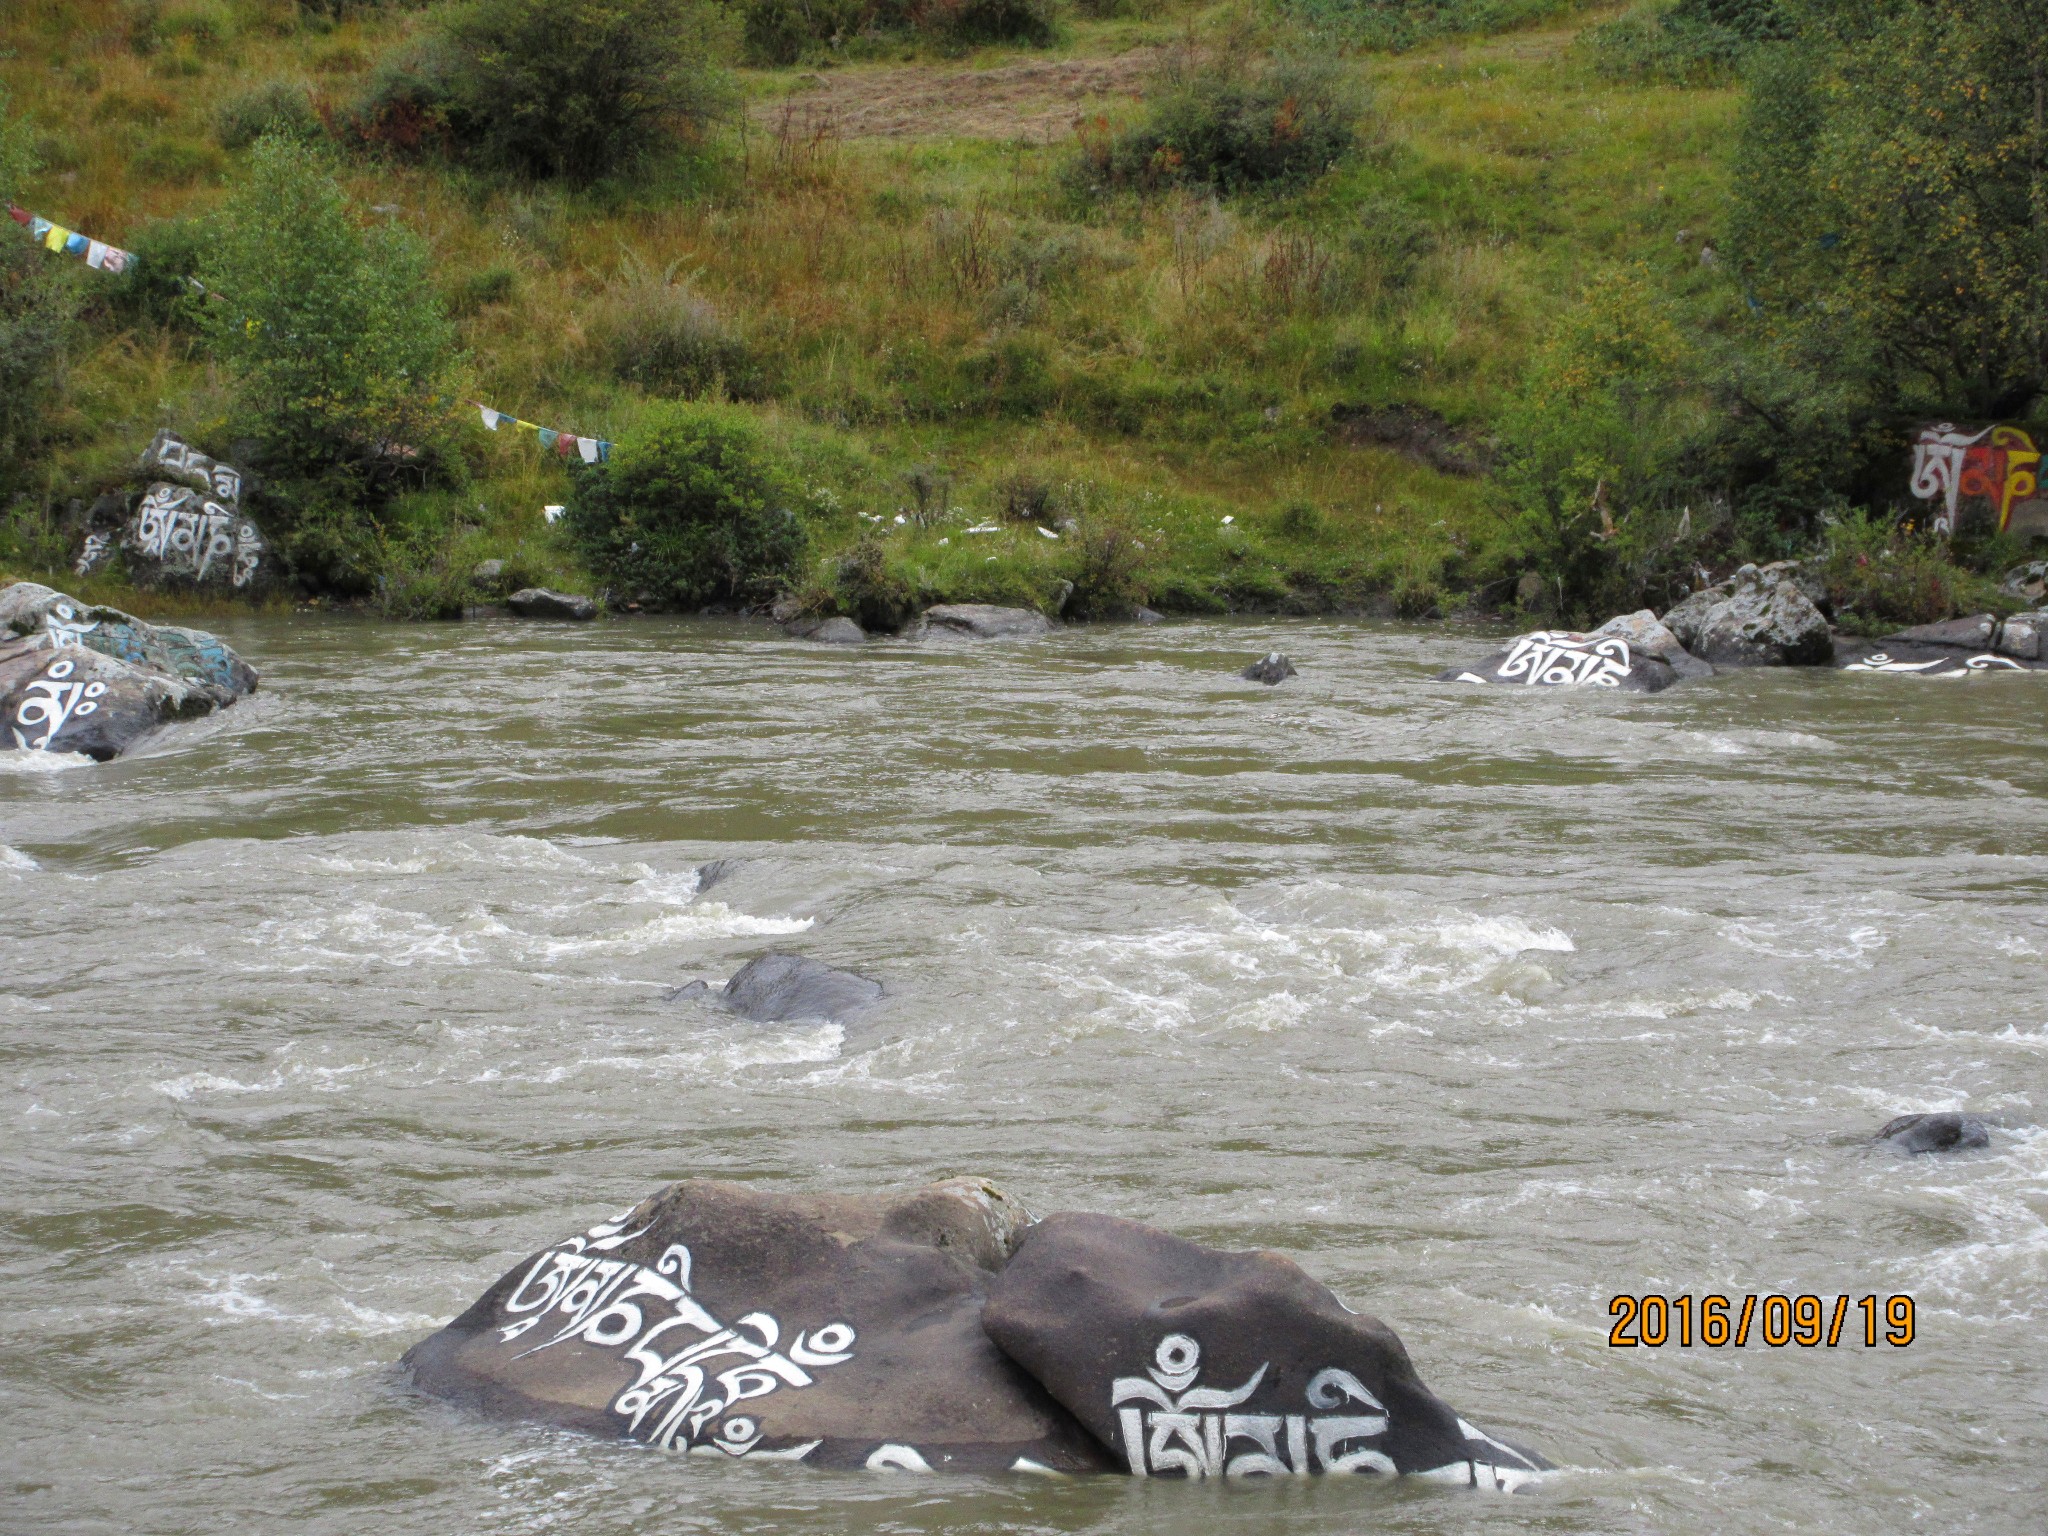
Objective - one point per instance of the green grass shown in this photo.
(1165, 363)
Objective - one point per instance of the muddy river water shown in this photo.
(1485, 1004)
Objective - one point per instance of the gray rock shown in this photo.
(1754, 620)
(1557, 658)
(176, 460)
(1270, 669)
(488, 573)
(180, 538)
(1943, 1132)
(1974, 633)
(541, 603)
(832, 631)
(984, 621)
(726, 1320)
(716, 871)
(2020, 636)
(778, 987)
(2028, 583)
(1648, 636)
(1979, 643)
(1148, 616)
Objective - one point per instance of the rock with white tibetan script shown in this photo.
(80, 678)
(182, 538)
(1954, 648)
(1194, 1362)
(1556, 658)
(176, 460)
(841, 1331)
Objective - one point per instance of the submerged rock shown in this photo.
(1194, 1362)
(832, 631)
(1270, 669)
(983, 621)
(76, 677)
(1558, 658)
(777, 987)
(841, 1331)
(1945, 1131)
(1760, 617)
(544, 603)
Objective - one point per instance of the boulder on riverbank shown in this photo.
(982, 621)
(75, 677)
(1954, 647)
(1760, 617)
(545, 603)
(188, 532)
(1194, 1362)
(840, 1331)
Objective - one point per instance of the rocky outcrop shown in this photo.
(1759, 617)
(832, 631)
(945, 1329)
(1647, 635)
(1942, 1132)
(93, 680)
(1954, 647)
(544, 603)
(189, 530)
(840, 1331)
(1193, 1362)
(982, 621)
(1270, 669)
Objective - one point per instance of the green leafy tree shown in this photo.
(36, 312)
(690, 510)
(341, 351)
(1891, 218)
(584, 88)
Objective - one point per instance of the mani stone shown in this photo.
(984, 621)
(75, 677)
(1558, 658)
(1943, 1132)
(1194, 1362)
(728, 1321)
(542, 603)
(1271, 669)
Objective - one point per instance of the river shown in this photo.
(1485, 1004)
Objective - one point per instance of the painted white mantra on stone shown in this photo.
(175, 527)
(63, 628)
(1192, 1430)
(166, 452)
(1938, 468)
(1880, 661)
(578, 1293)
(95, 550)
(1554, 657)
(51, 700)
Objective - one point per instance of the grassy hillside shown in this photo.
(1285, 401)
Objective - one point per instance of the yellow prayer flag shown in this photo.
(57, 238)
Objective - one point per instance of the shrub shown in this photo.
(339, 344)
(661, 334)
(690, 510)
(1691, 41)
(1228, 124)
(481, 289)
(784, 31)
(153, 290)
(583, 88)
(991, 21)
(1108, 572)
(1300, 521)
(1879, 576)
(1399, 24)
(280, 107)
(867, 591)
(403, 107)
(178, 162)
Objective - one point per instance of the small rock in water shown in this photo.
(1942, 1132)
(710, 874)
(1269, 669)
(1148, 616)
(541, 603)
(984, 621)
(833, 631)
(779, 987)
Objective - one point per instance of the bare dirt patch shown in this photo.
(1035, 102)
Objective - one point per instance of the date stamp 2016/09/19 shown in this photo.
(1651, 1321)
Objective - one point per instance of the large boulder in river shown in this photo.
(1759, 617)
(1982, 642)
(842, 1331)
(76, 677)
(1194, 1362)
(983, 621)
(1943, 1131)
(776, 987)
(1558, 658)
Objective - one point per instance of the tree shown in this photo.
(340, 346)
(1891, 215)
(583, 88)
